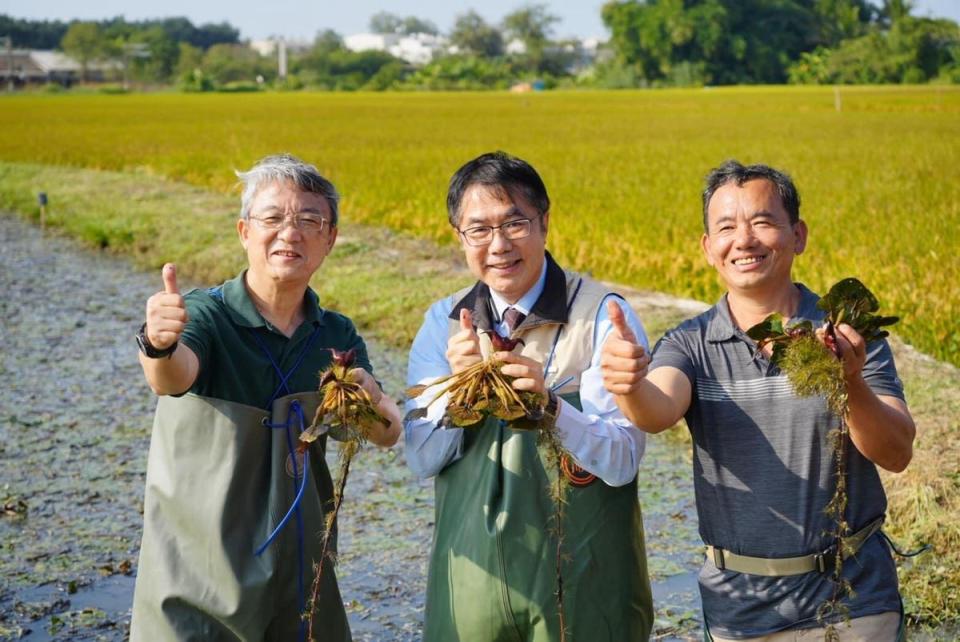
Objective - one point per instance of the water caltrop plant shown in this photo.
(814, 368)
(348, 413)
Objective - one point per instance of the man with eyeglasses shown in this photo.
(233, 509)
(493, 567)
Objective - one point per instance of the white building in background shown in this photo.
(32, 66)
(515, 47)
(417, 48)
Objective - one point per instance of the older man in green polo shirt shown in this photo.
(232, 510)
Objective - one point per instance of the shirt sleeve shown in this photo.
(428, 447)
(880, 372)
(197, 334)
(598, 437)
(672, 351)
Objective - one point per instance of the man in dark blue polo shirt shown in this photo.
(762, 459)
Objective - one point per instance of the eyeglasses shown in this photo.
(513, 230)
(306, 224)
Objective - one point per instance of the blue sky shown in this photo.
(301, 19)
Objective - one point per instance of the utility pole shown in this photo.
(281, 59)
(135, 50)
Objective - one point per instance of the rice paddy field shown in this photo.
(878, 170)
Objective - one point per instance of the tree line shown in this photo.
(684, 42)
(652, 43)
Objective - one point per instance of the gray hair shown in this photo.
(286, 167)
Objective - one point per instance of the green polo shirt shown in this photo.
(223, 330)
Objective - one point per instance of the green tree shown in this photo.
(842, 19)
(385, 22)
(472, 34)
(83, 42)
(156, 55)
(189, 59)
(533, 26)
(33, 34)
(461, 73)
(715, 41)
(225, 63)
(412, 24)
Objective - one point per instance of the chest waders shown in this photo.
(492, 572)
(220, 558)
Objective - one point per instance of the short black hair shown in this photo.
(501, 172)
(733, 171)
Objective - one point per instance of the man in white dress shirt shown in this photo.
(493, 564)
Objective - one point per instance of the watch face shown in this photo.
(148, 350)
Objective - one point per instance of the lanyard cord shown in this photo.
(295, 417)
(556, 338)
(283, 387)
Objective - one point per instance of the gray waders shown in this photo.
(219, 481)
(492, 574)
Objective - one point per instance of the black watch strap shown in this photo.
(147, 348)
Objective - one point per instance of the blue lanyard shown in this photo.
(295, 417)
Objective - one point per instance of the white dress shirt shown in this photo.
(599, 438)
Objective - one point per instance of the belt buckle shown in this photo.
(718, 560)
(823, 561)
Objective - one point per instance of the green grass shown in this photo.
(385, 281)
(880, 180)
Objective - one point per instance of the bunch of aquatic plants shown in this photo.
(814, 368)
(348, 414)
(482, 391)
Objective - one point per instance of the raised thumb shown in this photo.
(619, 321)
(170, 279)
(466, 319)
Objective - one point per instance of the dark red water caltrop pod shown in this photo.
(503, 344)
(344, 359)
(830, 339)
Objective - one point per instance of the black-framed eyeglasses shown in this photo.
(306, 224)
(514, 229)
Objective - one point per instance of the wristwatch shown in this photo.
(550, 411)
(147, 348)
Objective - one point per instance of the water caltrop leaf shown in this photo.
(769, 328)
(850, 302)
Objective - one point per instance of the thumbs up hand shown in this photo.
(166, 312)
(463, 348)
(623, 361)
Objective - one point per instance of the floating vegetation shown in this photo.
(814, 368)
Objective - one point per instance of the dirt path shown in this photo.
(75, 419)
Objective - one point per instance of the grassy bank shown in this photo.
(385, 281)
(880, 179)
